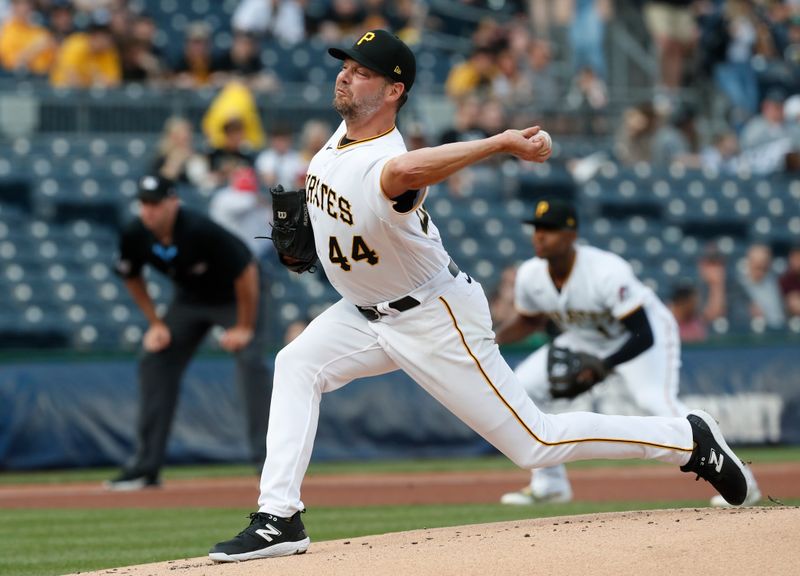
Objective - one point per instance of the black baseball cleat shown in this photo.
(130, 481)
(267, 536)
(713, 461)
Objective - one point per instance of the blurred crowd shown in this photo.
(725, 99)
(104, 43)
(531, 60)
(233, 140)
(768, 142)
(726, 95)
(753, 297)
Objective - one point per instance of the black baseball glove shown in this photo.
(573, 373)
(292, 233)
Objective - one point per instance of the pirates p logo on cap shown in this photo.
(554, 214)
(383, 52)
(368, 37)
(542, 208)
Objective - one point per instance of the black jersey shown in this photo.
(203, 260)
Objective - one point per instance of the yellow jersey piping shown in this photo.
(639, 307)
(341, 146)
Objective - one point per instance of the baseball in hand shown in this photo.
(547, 140)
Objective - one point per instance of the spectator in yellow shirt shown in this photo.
(473, 74)
(87, 59)
(25, 46)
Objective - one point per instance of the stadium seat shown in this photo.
(63, 197)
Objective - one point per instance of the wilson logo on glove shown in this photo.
(292, 233)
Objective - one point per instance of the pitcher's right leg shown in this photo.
(337, 347)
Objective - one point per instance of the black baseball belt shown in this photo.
(405, 303)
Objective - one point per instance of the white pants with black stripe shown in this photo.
(447, 346)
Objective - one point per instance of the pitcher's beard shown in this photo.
(353, 111)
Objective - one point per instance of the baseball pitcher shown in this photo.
(406, 306)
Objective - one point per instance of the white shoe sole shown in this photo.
(717, 434)
(523, 499)
(516, 499)
(281, 549)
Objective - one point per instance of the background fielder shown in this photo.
(405, 305)
(602, 309)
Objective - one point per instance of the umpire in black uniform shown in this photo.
(216, 283)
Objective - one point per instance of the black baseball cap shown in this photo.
(383, 52)
(555, 214)
(155, 188)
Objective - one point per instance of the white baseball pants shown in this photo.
(447, 346)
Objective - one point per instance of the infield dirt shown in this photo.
(708, 542)
(640, 483)
(701, 542)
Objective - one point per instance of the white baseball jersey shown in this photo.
(600, 291)
(370, 252)
(375, 255)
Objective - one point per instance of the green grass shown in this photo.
(52, 542)
(757, 455)
(100, 474)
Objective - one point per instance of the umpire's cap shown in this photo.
(383, 52)
(155, 188)
(554, 214)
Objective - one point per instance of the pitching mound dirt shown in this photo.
(704, 541)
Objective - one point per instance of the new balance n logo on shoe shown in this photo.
(268, 532)
(716, 460)
(267, 536)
